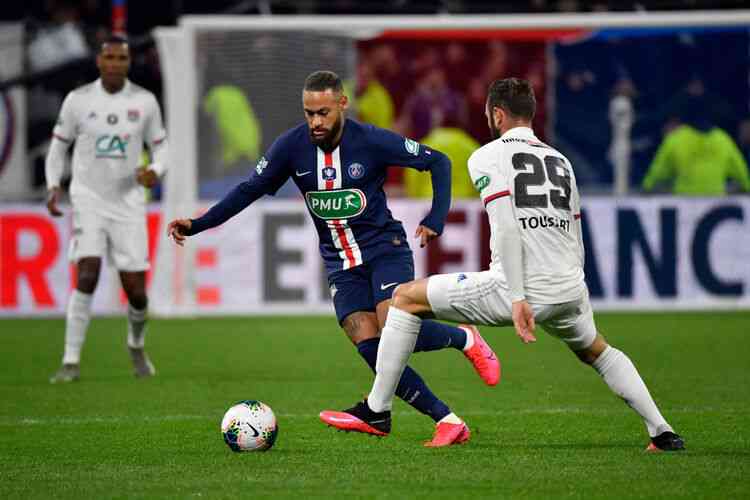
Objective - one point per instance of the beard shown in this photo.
(326, 141)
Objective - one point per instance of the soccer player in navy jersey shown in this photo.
(339, 165)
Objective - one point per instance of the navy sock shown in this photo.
(434, 335)
(411, 388)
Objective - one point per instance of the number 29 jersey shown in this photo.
(546, 207)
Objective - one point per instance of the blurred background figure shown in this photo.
(371, 100)
(60, 41)
(431, 102)
(621, 118)
(235, 121)
(458, 146)
(55, 44)
(697, 158)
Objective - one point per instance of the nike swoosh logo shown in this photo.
(337, 419)
(300, 174)
(384, 286)
(255, 431)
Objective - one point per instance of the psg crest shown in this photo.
(356, 170)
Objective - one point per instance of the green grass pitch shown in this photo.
(550, 429)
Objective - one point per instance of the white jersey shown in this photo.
(109, 131)
(544, 197)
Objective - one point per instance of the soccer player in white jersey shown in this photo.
(109, 120)
(536, 275)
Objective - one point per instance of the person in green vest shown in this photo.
(238, 127)
(370, 99)
(458, 146)
(697, 158)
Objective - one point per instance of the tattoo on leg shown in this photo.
(352, 324)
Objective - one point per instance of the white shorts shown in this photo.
(125, 243)
(480, 298)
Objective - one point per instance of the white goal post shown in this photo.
(173, 284)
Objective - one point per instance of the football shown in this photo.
(249, 426)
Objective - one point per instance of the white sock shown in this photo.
(136, 327)
(621, 376)
(469, 339)
(397, 342)
(76, 323)
(451, 418)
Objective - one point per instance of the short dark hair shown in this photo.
(320, 81)
(514, 95)
(113, 40)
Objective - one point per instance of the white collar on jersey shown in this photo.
(101, 88)
(521, 132)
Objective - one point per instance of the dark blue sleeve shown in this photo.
(266, 178)
(396, 150)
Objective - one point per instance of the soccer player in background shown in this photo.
(339, 165)
(536, 274)
(108, 120)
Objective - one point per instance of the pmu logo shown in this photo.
(336, 204)
(111, 146)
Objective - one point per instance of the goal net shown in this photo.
(233, 84)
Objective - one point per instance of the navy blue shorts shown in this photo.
(363, 287)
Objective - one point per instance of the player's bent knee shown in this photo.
(86, 281)
(138, 301)
(410, 297)
(401, 298)
(592, 352)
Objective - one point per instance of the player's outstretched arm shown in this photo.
(500, 211)
(398, 150)
(266, 178)
(440, 173)
(233, 203)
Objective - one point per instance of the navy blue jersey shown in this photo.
(343, 189)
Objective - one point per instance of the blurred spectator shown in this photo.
(61, 41)
(458, 146)
(621, 118)
(388, 69)
(496, 64)
(238, 128)
(697, 158)
(744, 136)
(428, 106)
(372, 102)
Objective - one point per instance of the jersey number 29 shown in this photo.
(559, 198)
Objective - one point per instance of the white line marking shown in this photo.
(144, 419)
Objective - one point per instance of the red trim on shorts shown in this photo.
(62, 138)
(577, 216)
